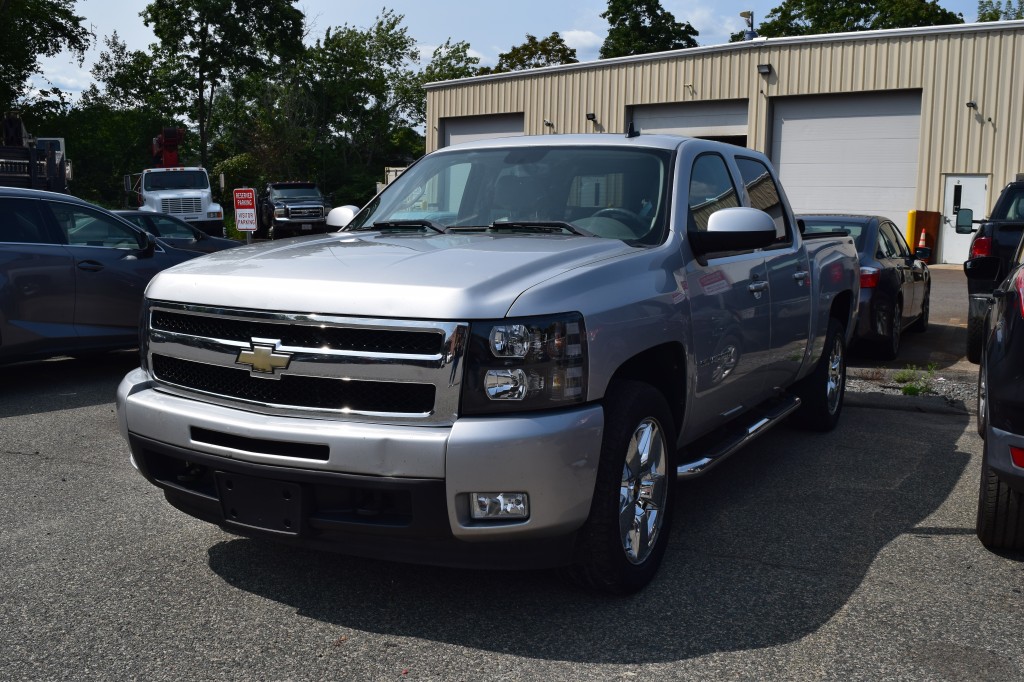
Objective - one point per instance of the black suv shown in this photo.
(996, 237)
(288, 209)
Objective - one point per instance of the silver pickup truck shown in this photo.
(504, 360)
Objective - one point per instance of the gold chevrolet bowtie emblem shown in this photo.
(263, 358)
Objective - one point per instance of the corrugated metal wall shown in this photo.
(949, 65)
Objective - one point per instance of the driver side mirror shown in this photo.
(734, 229)
(148, 246)
(964, 221)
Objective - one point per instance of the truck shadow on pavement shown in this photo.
(766, 548)
(63, 383)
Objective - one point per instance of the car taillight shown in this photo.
(982, 246)
(868, 278)
(1018, 456)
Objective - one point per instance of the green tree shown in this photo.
(534, 54)
(448, 62)
(994, 10)
(641, 27)
(811, 17)
(368, 99)
(30, 29)
(206, 43)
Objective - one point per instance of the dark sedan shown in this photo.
(177, 232)
(895, 285)
(71, 275)
(1000, 522)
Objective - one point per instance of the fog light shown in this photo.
(499, 505)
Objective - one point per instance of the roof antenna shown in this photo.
(631, 131)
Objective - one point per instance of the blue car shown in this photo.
(1000, 523)
(72, 275)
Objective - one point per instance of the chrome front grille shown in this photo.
(307, 212)
(181, 205)
(311, 365)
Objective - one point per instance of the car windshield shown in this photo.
(184, 179)
(612, 192)
(820, 226)
(309, 192)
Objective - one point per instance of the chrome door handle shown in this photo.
(801, 275)
(757, 287)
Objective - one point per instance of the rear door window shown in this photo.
(22, 223)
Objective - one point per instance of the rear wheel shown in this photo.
(890, 347)
(1000, 510)
(821, 393)
(921, 323)
(975, 337)
(623, 541)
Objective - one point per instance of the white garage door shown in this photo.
(469, 128)
(849, 153)
(696, 119)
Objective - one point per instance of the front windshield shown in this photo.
(296, 193)
(190, 179)
(612, 192)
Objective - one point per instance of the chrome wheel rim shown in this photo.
(836, 376)
(643, 491)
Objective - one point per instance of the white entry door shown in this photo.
(961, 191)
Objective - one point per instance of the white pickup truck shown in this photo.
(504, 360)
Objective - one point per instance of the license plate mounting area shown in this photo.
(261, 503)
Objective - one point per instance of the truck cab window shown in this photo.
(711, 189)
(764, 195)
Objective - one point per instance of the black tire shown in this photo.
(982, 402)
(611, 556)
(821, 393)
(921, 323)
(889, 348)
(1000, 511)
(975, 337)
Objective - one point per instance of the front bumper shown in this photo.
(383, 491)
(295, 227)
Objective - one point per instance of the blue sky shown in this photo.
(489, 27)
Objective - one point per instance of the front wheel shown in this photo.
(890, 347)
(921, 323)
(821, 393)
(623, 541)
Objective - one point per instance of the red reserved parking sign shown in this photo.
(245, 209)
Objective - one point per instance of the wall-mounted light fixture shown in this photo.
(764, 69)
(548, 124)
(971, 104)
(592, 117)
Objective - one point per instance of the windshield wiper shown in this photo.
(548, 226)
(401, 224)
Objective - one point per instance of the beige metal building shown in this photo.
(906, 123)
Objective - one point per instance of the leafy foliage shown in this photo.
(810, 17)
(30, 29)
(994, 10)
(204, 43)
(534, 54)
(641, 27)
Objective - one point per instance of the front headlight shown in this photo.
(525, 364)
(280, 212)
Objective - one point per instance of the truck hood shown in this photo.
(412, 276)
